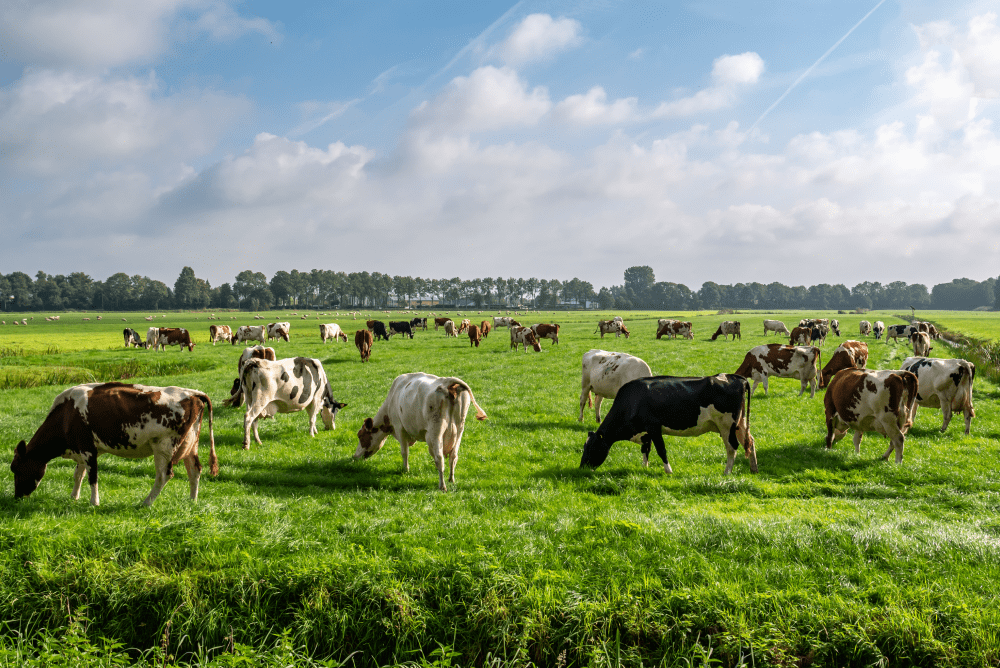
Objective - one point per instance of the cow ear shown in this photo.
(21, 449)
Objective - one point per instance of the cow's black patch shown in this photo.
(295, 391)
(284, 376)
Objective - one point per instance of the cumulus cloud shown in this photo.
(539, 37)
(592, 108)
(976, 52)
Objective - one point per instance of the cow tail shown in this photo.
(213, 460)
(912, 386)
(819, 366)
(458, 382)
(746, 387)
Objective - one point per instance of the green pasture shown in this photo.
(982, 325)
(297, 555)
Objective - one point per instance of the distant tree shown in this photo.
(639, 280)
(186, 289)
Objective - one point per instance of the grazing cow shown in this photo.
(810, 322)
(675, 327)
(450, 329)
(501, 321)
(848, 355)
(278, 330)
(878, 328)
(250, 333)
(604, 373)
(865, 400)
(611, 326)
(331, 331)
(377, 327)
(818, 332)
(464, 325)
(523, 336)
(546, 331)
(921, 342)
(515, 323)
(474, 336)
(420, 323)
(895, 332)
(726, 328)
(647, 408)
(944, 384)
(255, 352)
(133, 421)
(131, 338)
(800, 336)
(775, 359)
(220, 333)
(865, 328)
(286, 386)
(174, 336)
(400, 327)
(932, 330)
(363, 342)
(152, 336)
(835, 327)
(440, 322)
(421, 407)
(484, 328)
(775, 326)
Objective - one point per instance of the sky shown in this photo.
(714, 140)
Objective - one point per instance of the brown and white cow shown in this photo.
(174, 336)
(133, 421)
(286, 386)
(604, 373)
(440, 322)
(421, 407)
(331, 331)
(450, 329)
(615, 327)
(921, 342)
(474, 336)
(865, 400)
(363, 341)
(250, 333)
(484, 327)
(501, 321)
(279, 330)
(728, 327)
(254, 352)
(152, 336)
(848, 355)
(219, 333)
(801, 336)
(524, 337)
(944, 384)
(775, 326)
(776, 359)
(674, 328)
(466, 323)
(546, 331)
(864, 328)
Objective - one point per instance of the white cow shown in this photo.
(450, 329)
(604, 373)
(921, 342)
(331, 331)
(421, 407)
(865, 328)
(878, 328)
(250, 333)
(776, 359)
(502, 321)
(775, 326)
(279, 330)
(152, 337)
(944, 384)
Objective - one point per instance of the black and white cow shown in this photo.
(377, 328)
(400, 327)
(676, 406)
(944, 384)
(878, 329)
(896, 332)
(132, 338)
(419, 323)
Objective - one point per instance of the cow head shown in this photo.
(595, 450)
(371, 438)
(625, 331)
(27, 472)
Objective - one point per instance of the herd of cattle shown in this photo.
(138, 421)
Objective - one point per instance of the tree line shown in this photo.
(323, 288)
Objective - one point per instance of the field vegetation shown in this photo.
(297, 555)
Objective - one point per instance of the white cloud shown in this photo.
(539, 37)
(976, 53)
(728, 74)
(592, 108)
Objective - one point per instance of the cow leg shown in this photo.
(193, 466)
(455, 441)
(766, 378)
(597, 406)
(946, 413)
(969, 414)
(896, 442)
(164, 471)
(661, 449)
(248, 422)
(404, 450)
(81, 468)
(646, 442)
(858, 435)
(312, 412)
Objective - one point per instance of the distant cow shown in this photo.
(611, 327)
(546, 331)
(604, 373)
(673, 328)
(250, 333)
(133, 421)
(896, 332)
(419, 323)
(524, 337)
(152, 336)
(474, 336)
(728, 327)
(775, 359)
(864, 328)
(131, 338)
(219, 333)
(848, 355)
(279, 330)
(878, 328)
(377, 327)
(464, 325)
(174, 336)
(647, 408)
(421, 407)
(450, 329)
(944, 384)
(835, 327)
(286, 386)
(440, 322)
(775, 326)
(865, 400)
(818, 332)
(484, 328)
(921, 342)
(801, 336)
(363, 342)
(400, 327)
(331, 331)
(254, 352)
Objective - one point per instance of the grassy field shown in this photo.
(983, 325)
(298, 555)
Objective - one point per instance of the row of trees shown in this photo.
(321, 288)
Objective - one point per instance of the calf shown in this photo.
(524, 337)
(131, 338)
(944, 384)
(848, 355)
(174, 336)
(546, 331)
(474, 336)
(921, 342)
(864, 400)
(800, 336)
(421, 407)
(604, 373)
(673, 328)
(878, 328)
(726, 328)
(331, 331)
(400, 327)
(219, 333)
(775, 359)
(377, 327)
(895, 332)
(865, 328)
(647, 408)
(775, 326)
(363, 341)
(286, 386)
(250, 333)
(133, 421)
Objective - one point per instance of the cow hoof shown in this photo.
(246, 446)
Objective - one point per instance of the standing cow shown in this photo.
(944, 384)
(775, 326)
(727, 328)
(219, 333)
(775, 359)
(331, 331)
(865, 328)
(474, 336)
(363, 342)
(546, 331)
(524, 337)
(921, 342)
(864, 400)
(848, 355)
(604, 373)
(131, 338)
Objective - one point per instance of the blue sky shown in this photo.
(547, 139)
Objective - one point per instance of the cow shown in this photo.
(400, 327)
(611, 326)
(604, 373)
(363, 342)
(421, 407)
(675, 327)
(250, 333)
(464, 326)
(726, 328)
(131, 338)
(440, 322)
(419, 323)
(865, 328)
(546, 331)
(810, 322)
(174, 336)
(800, 336)
(152, 336)
(450, 329)
(944, 384)
(932, 330)
(647, 408)
(484, 328)
(895, 332)
(286, 386)
(278, 330)
(921, 342)
(474, 336)
(848, 355)
(878, 328)
(818, 332)
(255, 352)
(835, 327)
(525, 337)
(219, 333)
(501, 321)
(865, 400)
(775, 326)
(776, 359)
(133, 421)
(331, 331)
(377, 327)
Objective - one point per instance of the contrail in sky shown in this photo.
(813, 66)
(477, 39)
